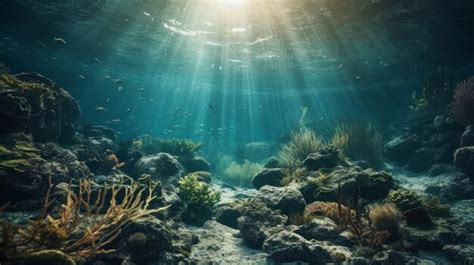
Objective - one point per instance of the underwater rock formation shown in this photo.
(37, 105)
(160, 166)
(268, 176)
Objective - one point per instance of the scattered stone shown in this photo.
(160, 166)
(193, 164)
(401, 148)
(467, 138)
(228, 214)
(460, 254)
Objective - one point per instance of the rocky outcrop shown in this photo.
(373, 185)
(464, 159)
(268, 176)
(460, 254)
(328, 157)
(161, 166)
(193, 164)
(34, 104)
(286, 199)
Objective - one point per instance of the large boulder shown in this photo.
(194, 164)
(268, 176)
(401, 148)
(228, 214)
(161, 166)
(147, 239)
(327, 157)
(286, 199)
(464, 159)
(373, 185)
(34, 104)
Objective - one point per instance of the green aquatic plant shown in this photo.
(241, 174)
(359, 141)
(196, 193)
(303, 142)
(77, 229)
(178, 147)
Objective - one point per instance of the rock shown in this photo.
(460, 254)
(421, 160)
(228, 214)
(401, 148)
(323, 229)
(418, 217)
(286, 199)
(268, 176)
(147, 239)
(328, 157)
(439, 121)
(374, 185)
(54, 109)
(272, 162)
(391, 257)
(286, 246)
(467, 138)
(48, 257)
(193, 164)
(160, 166)
(258, 151)
(464, 159)
(217, 245)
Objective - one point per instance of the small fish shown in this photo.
(358, 78)
(96, 60)
(114, 121)
(146, 14)
(128, 110)
(59, 41)
(100, 108)
(210, 106)
(118, 81)
(107, 101)
(141, 89)
(120, 88)
(41, 44)
(107, 77)
(81, 77)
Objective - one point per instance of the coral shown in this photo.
(462, 107)
(195, 192)
(404, 199)
(14, 82)
(303, 142)
(385, 217)
(19, 157)
(241, 174)
(77, 228)
(359, 141)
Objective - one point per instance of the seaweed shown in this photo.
(77, 228)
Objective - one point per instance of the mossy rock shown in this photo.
(48, 257)
(404, 199)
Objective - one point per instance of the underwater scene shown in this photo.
(236, 132)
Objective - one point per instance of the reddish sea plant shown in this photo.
(462, 107)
